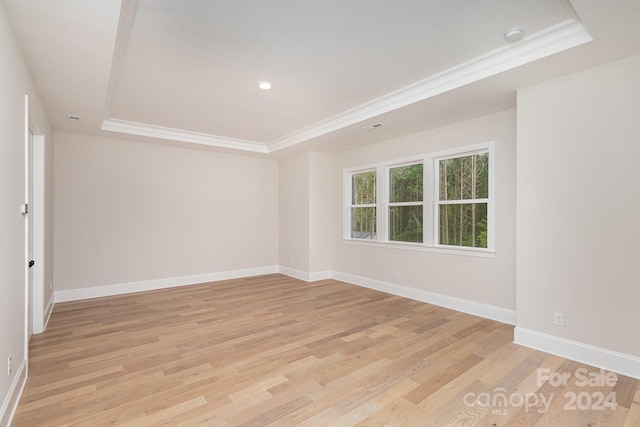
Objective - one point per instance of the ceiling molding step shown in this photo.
(560, 37)
(143, 129)
(128, 12)
(563, 36)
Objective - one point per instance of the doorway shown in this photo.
(35, 197)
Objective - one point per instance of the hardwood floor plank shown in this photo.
(633, 416)
(275, 351)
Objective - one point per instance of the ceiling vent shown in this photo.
(373, 126)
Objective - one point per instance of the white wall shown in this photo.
(321, 212)
(305, 214)
(14, 84)
(578, 208)
(131, 212)
(293, 205)
(488, 281)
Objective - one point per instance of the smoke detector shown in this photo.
(513, 35)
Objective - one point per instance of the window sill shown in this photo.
(473, 252)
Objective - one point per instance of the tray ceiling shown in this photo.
(188, 70)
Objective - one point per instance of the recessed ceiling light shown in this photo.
(513, 35)
(265, 85)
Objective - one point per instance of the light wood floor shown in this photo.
(275, 351)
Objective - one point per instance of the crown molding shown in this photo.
(562, 36)
(128, 12)
(143, 129)
(125, 27)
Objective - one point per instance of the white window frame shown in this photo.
(490, 201)
(349, 202)
(387, 196)
(429, 202)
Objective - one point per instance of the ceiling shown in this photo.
(185, 72)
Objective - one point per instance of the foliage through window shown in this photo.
(463, 200)
(438, 200)
(405, 203)
(363, 205)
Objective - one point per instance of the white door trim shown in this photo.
(27, 236)
(35, 175)
(38, 219)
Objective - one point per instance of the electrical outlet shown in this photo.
(9, 366)
(207, 264)
(396, 274)
(558, 319)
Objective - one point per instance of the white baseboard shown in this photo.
(47, 313)
(320, 275)
(466, 306)
(292, 272)
(621, 363)
(149, 285)
(303, 275)
(12, 399)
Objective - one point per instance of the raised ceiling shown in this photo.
(187, 70)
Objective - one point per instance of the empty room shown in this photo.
(319, 213)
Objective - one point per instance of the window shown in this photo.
(363, 205)
(405, 203)
(463, 200)
(436, 201)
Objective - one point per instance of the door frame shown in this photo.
(34, 183)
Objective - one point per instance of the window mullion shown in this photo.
(405, 204)
(462, 201)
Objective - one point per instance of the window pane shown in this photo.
(464, 225)
(405, 183)
(363, 188)
(363, 223)
(405, 223)
(465, 177)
